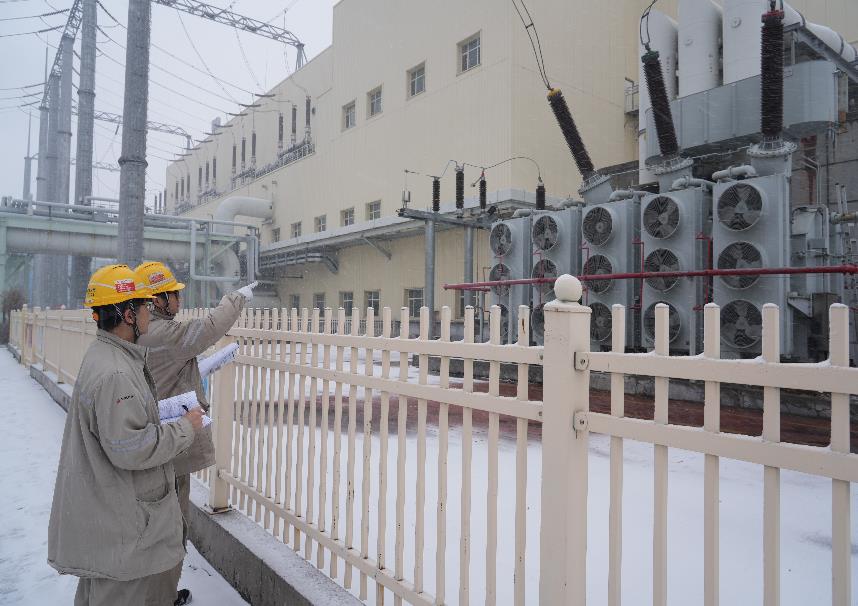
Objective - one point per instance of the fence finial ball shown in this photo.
(568, 289)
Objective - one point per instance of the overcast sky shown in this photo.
(181, 90)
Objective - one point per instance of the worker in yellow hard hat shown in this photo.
(173, 350)
(115, 511)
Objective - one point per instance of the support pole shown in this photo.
(45, 287)
(132, 178)
(41, 262)
(85, 118)
(429, 277)
(469, 264)
(28, 163)
(60, 280)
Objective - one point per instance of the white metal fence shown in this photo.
(299, 414)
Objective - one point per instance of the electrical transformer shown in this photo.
(674, 230)
(511, 253)
(750, 230)
(611, 234)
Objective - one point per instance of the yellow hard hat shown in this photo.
(158, 277)
(115, 284)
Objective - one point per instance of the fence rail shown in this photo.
(332, 435)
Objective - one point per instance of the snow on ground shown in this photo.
(31, 425)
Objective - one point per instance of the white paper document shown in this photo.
(217, 360)
(174, 408)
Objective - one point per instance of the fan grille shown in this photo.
(740, 207)
(546, 233)
(500, 272)
(598, 226)
(600, 322)
(501, 239)
(545, 268)
(740, 255)
(598, 264)
(660, 260)
(661, 217)
(741, 324)
(674, 322)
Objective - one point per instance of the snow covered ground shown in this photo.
(31, 425)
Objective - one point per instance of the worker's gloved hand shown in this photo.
(247, 291)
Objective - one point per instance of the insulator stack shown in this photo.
(460, 187)
(570, 133)
(483, 192)
(772, 70)
(540, 196)
(436, 194)
(665, 130)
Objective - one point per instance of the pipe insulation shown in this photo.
(772, 70)
(570, 132)
(241, 206)
(665, 130)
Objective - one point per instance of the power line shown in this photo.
(23, 87)
(38, 31)
(200, 57)
(51, 14)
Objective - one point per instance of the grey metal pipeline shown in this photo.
(732, 172)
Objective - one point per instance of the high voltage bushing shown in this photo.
(483, 192)
(460, 187)
(540, 196)
(664, 128)
(436, 194)
(570, 133)
(772, 70)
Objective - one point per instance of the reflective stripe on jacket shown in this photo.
(115, 513)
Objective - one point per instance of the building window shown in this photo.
(320, 223)
(372, 298)
(373, 210)
(469, 53)
(296, 230)
(460, 304)
(414, 301)
(347, 216)
(177, 190)
(275, 234)
(373, 102)
(280, 130)
(349, 115)
(319, 300)
(253, 148)
(295, 301)
(243, 151)
(182, 181)
(347, 301)
(200, 178)
(417, 80)
(233, 157)
(207, 173)
(214, 171)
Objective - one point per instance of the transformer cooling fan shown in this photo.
(660, 260)
(546, 233)
(598, 264)
(598, 226)
(741, 324)
(537, 322)
(740, 207)
(500, 272)
(674, 322)
(544, 269)
(501, 239)
(600, 322)
(661, 217)
(740, 255)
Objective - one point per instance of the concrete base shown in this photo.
(264, 571)
(15, 353)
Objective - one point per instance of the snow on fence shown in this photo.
(286, 430)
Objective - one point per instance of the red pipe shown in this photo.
(766, 271)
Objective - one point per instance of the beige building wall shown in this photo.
(482, 116)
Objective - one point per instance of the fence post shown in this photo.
(223, 411)
(58, 363)
(566, 363)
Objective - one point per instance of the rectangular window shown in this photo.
(373, 210)
(347, 216)
(275, 234)
(253, 147)
(295, 230)
(214, 171)
(372, 298)
(177, 190)
(200, 179)
(280, 130)
(320, 223)
(243, 151)
(414, 301)
(295, 301)
(469, 53)
(373, 102)
(460, 304)
(183, 186)
(347, 301)
(417, 80)
(349, 115)
(207, 173)
(319, 301)
(234, 146)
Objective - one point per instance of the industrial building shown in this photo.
(357, 133)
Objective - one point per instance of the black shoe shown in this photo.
(183, 596)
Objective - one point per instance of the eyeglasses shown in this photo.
(149, 305)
